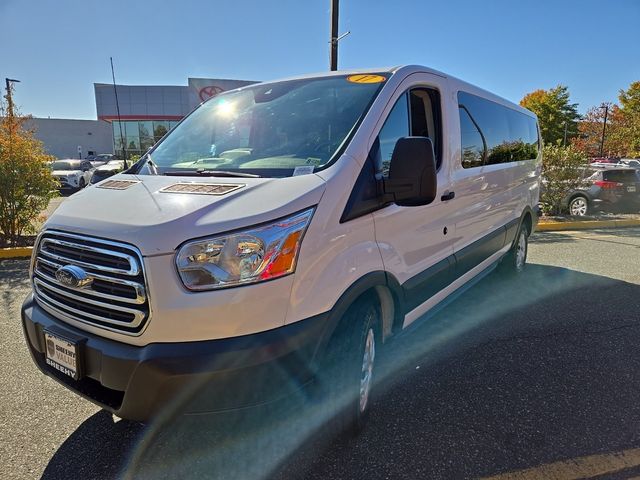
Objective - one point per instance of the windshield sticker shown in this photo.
(368, 78)
(303, 170)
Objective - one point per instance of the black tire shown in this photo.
(515, 260)
(579, 206)
(341, 376)
(81, 184)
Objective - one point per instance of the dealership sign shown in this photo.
(202, 89)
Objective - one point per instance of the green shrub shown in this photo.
(562, 171)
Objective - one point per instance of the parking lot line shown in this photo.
(576, 468)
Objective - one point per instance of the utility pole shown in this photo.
(333, 48)
(604, 127)
(564, 141)
(10, 113)
(8, 82)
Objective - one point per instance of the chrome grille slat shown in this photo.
(53, 303)
(137, 314)
(133, 267)
(116, 299)
(88, 291)
(140, 291)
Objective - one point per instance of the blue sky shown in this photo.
(58, 49)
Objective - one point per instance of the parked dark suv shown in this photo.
(606, 188)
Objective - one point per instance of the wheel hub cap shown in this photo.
(521, 251)
(368, 360)
(579, 207)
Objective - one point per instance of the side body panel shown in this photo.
(490, 196)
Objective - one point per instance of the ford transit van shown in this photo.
(277, 238)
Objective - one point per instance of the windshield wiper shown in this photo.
(201, 172)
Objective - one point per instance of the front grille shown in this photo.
(116, 299)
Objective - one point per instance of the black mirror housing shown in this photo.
(412, 174)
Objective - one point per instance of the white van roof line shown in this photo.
(407, 70)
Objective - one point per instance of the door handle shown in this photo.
(448, 196)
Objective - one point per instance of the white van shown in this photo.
(280, 235)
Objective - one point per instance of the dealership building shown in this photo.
(146, 113)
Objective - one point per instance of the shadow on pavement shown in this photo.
(512, 374)
(551, 237)
(97, 449)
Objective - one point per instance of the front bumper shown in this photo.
(165, 379)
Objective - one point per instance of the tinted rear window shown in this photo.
(620, 176)
(509, 135)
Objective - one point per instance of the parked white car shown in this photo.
(278, 237)
(72, 174)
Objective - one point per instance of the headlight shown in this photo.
(249, 256)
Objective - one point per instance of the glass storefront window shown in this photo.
(145, 129)
(160, 129)
(139, 135)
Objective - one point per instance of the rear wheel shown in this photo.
(579, 206)
(347, 380)
(81, 184)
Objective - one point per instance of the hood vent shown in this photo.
(118, 184)
(202, 188)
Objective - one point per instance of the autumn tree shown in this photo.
(591, 129)
(26, 183)
(629, 121)
(556, 114)
(622, 132)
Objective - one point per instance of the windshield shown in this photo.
(65, 166)
(268, 129)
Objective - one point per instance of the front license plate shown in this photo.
(62, 354)
(631, 189)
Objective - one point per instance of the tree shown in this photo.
(622, 135)
(591, 128)
(555, 113)
(26, 183)
(562, 171)
(630, 119)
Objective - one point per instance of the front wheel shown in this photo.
(347, 380)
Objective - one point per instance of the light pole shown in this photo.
(334, 38)
(8, 82)
(604, 127)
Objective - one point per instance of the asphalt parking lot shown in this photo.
(532, 378)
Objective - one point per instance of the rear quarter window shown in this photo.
(623, 176)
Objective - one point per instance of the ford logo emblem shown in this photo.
(73, 276)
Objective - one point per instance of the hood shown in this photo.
(64, 173)
(157, 222)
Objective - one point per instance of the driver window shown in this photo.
(396, 126)
(416, 113)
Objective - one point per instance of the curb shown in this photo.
(15, 252)
(586, 225)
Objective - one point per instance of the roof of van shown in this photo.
(409, 69)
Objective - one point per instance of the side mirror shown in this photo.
(412, 174)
